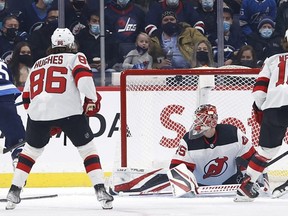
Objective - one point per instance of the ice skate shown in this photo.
(248, 191)
(13, 197)
(280, 190)
(263, 182)
(103, 197)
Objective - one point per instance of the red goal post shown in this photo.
(157, 109)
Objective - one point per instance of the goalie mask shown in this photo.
(205, 118)
(62, 37)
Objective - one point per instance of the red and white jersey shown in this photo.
(271, 87)
(213, 161)
(54, 86)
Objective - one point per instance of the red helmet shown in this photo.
(206, 117)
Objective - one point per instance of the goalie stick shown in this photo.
(34, 197)
(202, 190)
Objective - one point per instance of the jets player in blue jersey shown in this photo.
(10, 122)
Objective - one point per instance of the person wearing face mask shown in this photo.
(34, 15)
(40, 39)
(184, 11)
(20, 63)
(76, 15)
(267, 42)
(139, 58)
(203, 55)
(176, 38)
(10, 36)
(89, 42)
(208, 14)
(251, 12)
(246, 56)
(233, 39)
(125, 20)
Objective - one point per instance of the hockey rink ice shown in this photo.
(82, 201)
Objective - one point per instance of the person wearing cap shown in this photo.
(173, 45)
(252, 11)
(184, 11)
(267, 42)
(124, 20)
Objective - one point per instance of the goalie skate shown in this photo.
(103, 197)
(280, 190)
(247, 191)
(13, 197)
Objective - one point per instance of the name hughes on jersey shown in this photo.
(283, 57)
(57, 59)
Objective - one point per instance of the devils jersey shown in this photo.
(54, 86)
(271, 88)
(212, 161)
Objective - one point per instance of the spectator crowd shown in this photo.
(144, 34)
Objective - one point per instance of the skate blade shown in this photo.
(242, 198)
(277, 194)
(106, 204)
(10, 205)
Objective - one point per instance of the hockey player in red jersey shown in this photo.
(209, 150)
(52, 98)
(271, 111)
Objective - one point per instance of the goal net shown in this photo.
(157, 108)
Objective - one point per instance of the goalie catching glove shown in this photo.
(91, 108)
(258, 114)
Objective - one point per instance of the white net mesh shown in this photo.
(157, 109)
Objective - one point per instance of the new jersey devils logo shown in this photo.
(215, 167)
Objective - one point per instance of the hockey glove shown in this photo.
(258, 114)
(91, 108)
(55, 130)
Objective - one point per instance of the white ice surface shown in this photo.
(82, 202)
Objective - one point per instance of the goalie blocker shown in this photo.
(183, 181)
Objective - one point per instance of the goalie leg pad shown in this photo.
(183, 181)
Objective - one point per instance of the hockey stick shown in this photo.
(212, 189)
(19, 103)
(5, 150)
(144, 193)
(34, 197)
(277, 158)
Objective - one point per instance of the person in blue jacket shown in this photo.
(11, 124)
